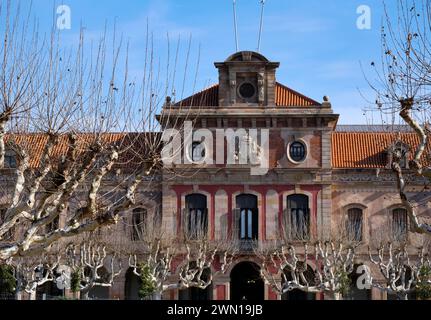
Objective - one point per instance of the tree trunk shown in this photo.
(84, 295)
(33, 295)
(333, 296)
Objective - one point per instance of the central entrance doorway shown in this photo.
(246, 283)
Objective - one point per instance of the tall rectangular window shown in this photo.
(248, 217)
(354, 224)
(196, 216)
(139, 220)
(399, 224)
(298, 217)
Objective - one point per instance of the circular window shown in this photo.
(297, 151)
(247, 90)
(198, 151)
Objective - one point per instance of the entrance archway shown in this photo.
(246, 283)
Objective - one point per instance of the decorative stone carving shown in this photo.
(374, 178)
(232, 84)
(261, 87)
(246, 55)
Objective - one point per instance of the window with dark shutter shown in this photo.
(399, 224)
(139, 220)
(248, 217)
(354, 224)
(298, 216)
(196, 216)
(297, 151)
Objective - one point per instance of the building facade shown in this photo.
(316, 171)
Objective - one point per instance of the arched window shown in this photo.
(139, 220)
(247, 217)
(399, 224)
(298, 216)
(196, 216)
(354, 224)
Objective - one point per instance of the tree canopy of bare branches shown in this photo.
(78, 135)
(402, 86)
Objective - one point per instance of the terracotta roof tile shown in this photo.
(284, 96)
(132, 145)
(366, 149)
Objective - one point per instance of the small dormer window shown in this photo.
(398, 152)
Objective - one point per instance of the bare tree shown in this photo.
(402, 87)
(198, 267)
(59, 157)
(33, 272)
(286, 267)
(196, 254)
(154, 268)
(286, 263)
(404, 272)
(87, 261)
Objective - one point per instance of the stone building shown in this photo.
(321, 171)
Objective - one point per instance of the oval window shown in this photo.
(297, 151)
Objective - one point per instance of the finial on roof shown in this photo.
(168, 100)
(326, 99)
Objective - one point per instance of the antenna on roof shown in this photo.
(261, 24)
(235, 25)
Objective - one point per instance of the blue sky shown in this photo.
(317, 42)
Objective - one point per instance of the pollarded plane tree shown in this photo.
(199, 260)
(405, 271)
(33, 272)
(204, 259)
(286, 262)
(153, 265)
(402, 86)
(285, 267)
(58, 111)
(88, 261)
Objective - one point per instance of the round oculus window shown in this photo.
(247, 90)
(297, 151)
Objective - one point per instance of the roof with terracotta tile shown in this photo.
(284, 96)
(350, 150)
(367, 149)
(132, 145)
